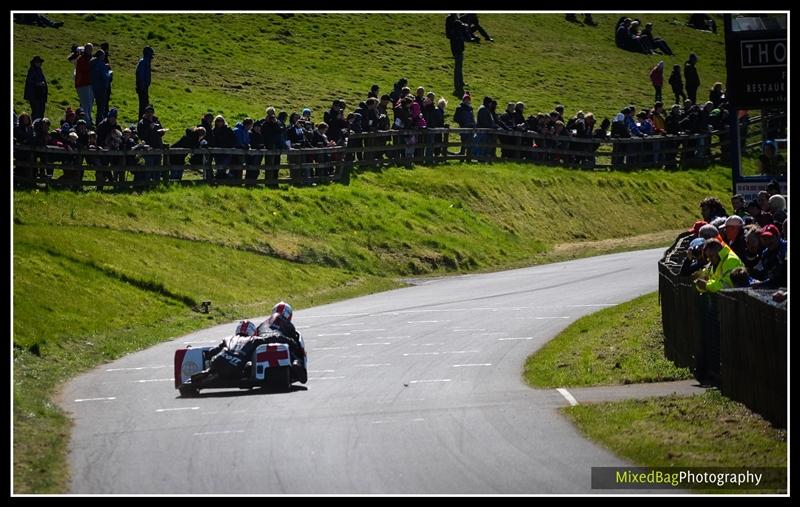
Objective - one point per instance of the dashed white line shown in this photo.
(324, 378)
(465, 330)
(348, 324)
(154, 380)
(471, 364)
(218, 432)
(368, 330)
(373, 343)
(516, 338)
(79, 400)
(545, 318)
(176, 409)
(426, 321)
(333, 334)
(566, 394)
(140, 368)
(327, 348)
(427, 381)
(201, 341)
(321, 371)
(371, 365)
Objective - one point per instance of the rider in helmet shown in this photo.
(230, 358)
(280, 323)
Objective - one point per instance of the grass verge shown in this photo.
(706, 430)
(623, 344)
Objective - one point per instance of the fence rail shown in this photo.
(735, 339)
(35, 165)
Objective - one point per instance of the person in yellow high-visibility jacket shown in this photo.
(723, 261)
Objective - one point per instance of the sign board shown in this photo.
(750, 189)
(757, 57)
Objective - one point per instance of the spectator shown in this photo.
(771, 163)
(36, 88)
(657, 78)
(241, 132)
(722, 262)
(694, 260)
(732, 233)
(760, 217)
(465, 119)
(37, 20)
(739, 208)
(222, 136)
(752, 254)
(484, 121)
(398, 90)
(455, 30)
(649, 40)
(107, 127)
(101, 80)
(777, 207)
(709, 231)
(676, 83)
(150, 132)
(80, 57)
(473, 25)
(374, 91)
(104, 46)
(143, 78)
(763, 200)
(692, 78)
(702, 22)
(773, 259)
(717, 95)
(191, 140)
(274, 137)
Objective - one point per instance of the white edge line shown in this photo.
(520, 338)
(324, 378)
(473, 364)
(434, 380)
(140, 368)
(566, 394)
(178, 408)
(218, 432)
(95, 399)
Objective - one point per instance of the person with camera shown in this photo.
(81, 58)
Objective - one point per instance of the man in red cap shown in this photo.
(695, 229)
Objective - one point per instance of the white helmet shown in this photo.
(282, 309)
(245, 328)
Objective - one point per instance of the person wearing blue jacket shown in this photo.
(143, 75)
(101, 78)
(465, 119)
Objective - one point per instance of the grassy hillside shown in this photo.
(237, 64)
(97, 275)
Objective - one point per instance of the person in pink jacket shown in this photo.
(657, 78)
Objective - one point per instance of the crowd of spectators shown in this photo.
(746, 248)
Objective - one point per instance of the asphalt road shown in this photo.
(416, 390)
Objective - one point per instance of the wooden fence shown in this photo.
(55, 166)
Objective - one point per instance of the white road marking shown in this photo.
(437, 353)
(202, 341)
(333, 334)
(545, 318)
(154, 380)
(327, 348)
(391, 337)
(371, 365)
(373, 343)
(517, 338)
(566, 394)
(348, 324)
(140, 368)
(380, 422)
(466, 330)
(426, 381)
(218, 432)
(418, 419)
(321, 371)
(178, 408)
(473, 364)
(426, 321)
(79, 400)
(323, 378)
(368, 330)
